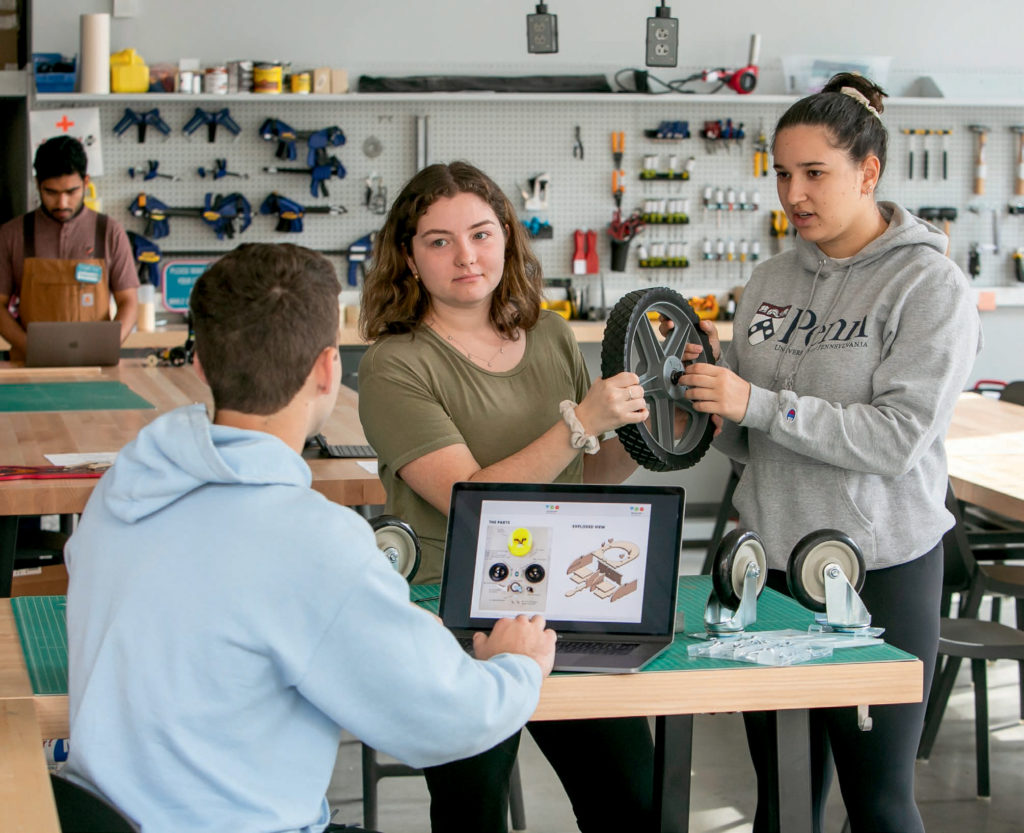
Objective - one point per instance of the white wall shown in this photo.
(600, 35)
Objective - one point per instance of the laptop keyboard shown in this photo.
(569, 647)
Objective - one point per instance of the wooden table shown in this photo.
(673, 696)
(25, 438)
(985, 447)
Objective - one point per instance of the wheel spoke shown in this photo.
(647, 345)
(663, 422)
(677, 339)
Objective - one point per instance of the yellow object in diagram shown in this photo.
(520, 542)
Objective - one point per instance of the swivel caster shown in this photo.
(399, 544)
(738, 574)
(825, 574)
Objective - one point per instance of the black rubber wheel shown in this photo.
(399, 544)
(534, 573)
(805, 570)
(736, 550)
(498, 571)
(632, 342)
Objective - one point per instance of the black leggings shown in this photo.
(875, 768)
(606, 767)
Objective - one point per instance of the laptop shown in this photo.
(72, 343)
(600, 563)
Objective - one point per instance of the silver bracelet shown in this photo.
(578, 437)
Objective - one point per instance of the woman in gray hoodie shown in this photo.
(836, 393)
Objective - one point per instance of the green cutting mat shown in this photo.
(42, 626)
(774, 612)
(70, 396)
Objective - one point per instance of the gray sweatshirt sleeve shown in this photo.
(932, 338)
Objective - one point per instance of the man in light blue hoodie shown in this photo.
(226, 622)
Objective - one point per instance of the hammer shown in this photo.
(979, 162)
(947, 214)
(1019, 130)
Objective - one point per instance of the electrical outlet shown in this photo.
(542, 31)
(662, 41)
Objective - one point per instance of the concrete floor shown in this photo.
(723, 779)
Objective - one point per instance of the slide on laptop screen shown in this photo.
(600, 563)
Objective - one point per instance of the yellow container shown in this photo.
(267, 78)
(300, 82)
(563, 308)
(128, 72)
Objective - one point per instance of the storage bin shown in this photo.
(49, 81)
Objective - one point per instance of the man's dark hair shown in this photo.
(60, 156)
(262, 314)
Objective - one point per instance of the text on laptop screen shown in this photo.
(583, 562)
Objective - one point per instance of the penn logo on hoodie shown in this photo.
(762, 325)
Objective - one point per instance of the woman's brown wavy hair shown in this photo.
(395, 302)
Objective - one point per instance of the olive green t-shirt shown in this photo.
(417, 395)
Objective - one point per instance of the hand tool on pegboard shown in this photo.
(151, 171)
(358, 252)
(761, 164)
(275, 130)
(223, 213)
(577, 144)
(141, 121)
(1018, 186)
(290, 213)
(579, 254)
(319, 174)
(219, 170)
(147, 256)
(979, 157)
(211, 118)
(946, 214)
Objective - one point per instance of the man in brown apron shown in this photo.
(62, 262)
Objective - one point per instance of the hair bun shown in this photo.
(871, 91)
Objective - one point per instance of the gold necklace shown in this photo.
(432, 323)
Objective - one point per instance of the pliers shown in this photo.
(577, 145)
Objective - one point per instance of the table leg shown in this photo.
(794, 767)
(8, 542)
(673, 752)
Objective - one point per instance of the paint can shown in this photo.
(215, 80)
(267, 78)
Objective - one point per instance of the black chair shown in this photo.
(82, 811)
(373, 771)
(967, 637)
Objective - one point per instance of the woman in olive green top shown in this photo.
(468, 379)
(467, 373)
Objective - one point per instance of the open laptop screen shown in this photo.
(590, 559)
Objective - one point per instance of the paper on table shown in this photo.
(83, 459)
(369, 465)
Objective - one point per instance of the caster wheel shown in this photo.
(734, 554)
(498, 572)
(805, 570)
(534, 573)
(399, 544)
(633, 342)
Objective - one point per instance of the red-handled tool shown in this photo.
(579, 257)
(593, 264)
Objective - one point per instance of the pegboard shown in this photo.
(514, 139)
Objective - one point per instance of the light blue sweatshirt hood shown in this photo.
(182, 451)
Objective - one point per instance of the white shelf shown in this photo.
(477, 97)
